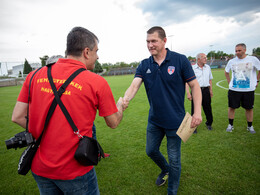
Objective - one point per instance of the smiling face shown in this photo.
(155, 44)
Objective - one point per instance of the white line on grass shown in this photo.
(227, 88)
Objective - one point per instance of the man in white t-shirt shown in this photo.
(204, 77)
(242, 85)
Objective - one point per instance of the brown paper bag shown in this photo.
(184, 131)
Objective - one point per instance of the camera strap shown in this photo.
(65, 111)
(57, 95)
(54, 102)
(27, 117)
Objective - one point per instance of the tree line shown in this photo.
(108, 66)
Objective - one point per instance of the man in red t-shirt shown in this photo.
(54, 166)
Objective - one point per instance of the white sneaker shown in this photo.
(251, 129)
(229, 128)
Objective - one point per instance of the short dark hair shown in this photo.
(159, 30)
(78, 39)
(242, 45)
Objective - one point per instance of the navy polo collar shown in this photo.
(167, 58)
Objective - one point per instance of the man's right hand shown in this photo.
(113, 120)
(125, 103)
(189, 96)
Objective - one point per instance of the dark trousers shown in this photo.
(206, 105)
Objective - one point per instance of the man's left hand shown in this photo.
(196, 120)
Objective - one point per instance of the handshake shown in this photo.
(122, 103)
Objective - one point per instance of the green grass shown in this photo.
(213, 162)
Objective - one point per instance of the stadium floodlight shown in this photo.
(170, 36)
(211, 53)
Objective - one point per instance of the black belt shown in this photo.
(202, 88)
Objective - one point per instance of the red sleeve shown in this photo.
(23, 95)
(107, 105)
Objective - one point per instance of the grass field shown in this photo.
(213, 162)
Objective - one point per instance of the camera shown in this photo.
(20, 140)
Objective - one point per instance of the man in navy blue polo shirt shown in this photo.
(164, 75)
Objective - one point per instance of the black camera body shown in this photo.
(20, 140)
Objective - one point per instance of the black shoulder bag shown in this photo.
(89, 151)
(26, 158)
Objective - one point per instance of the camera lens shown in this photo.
(20, 140)
(9, 143)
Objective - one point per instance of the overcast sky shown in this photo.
(33, 28)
